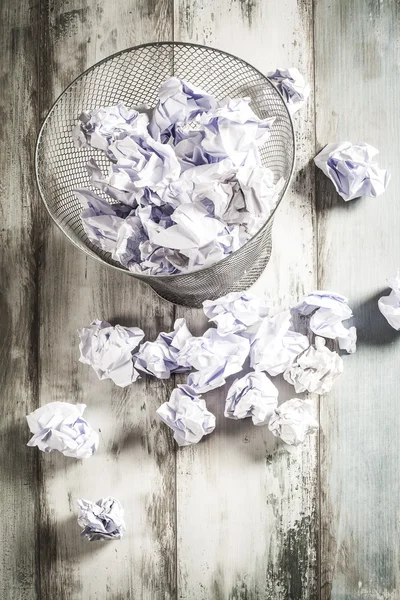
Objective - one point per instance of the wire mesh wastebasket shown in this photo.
(133, 77)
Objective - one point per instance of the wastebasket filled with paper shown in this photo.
(167, 162)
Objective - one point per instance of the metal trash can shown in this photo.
(133, 77)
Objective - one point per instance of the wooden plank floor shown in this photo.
(360, 484)
(238, 517)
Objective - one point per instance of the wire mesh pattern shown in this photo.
(134, 77)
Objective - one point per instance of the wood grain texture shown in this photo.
(237, 516)
(357, 76)
(246, 507)
(136, 458)
(18, 300)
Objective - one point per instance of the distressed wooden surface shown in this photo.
(247, 521)
(136, 457)
(18, 301)
(357, 71)
(238, 517)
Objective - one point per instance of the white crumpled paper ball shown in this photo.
(235, 312)
(254, 395)
(315, 370)
(187, 415)
(60, 426)
(275, 345)
(109, 350)
(101, 520)
(160, 358)
(292, 85)
(352, 170)
(389, 305)
(292, 421)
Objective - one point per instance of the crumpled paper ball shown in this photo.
(254, 395)
(292, 421)
(275, 345)
(100, 127)
(315, 370)
(187, 415)
(101, 520)
(352, 170)
(215, 357)
(160, 358)
(389, 305)
(109, 350)
(292, 86)
(235, 312)
(328, 310)
(60, 426)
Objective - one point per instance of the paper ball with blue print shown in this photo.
(61, 426)
(293, 87)
(99, 128)
(235, 312)
(254, 395)
(101, 520)
(215, 357)
(276, 344)
(353, 170)
(161, 357)
(187, 415)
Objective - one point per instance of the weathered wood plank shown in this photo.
(357, 75)
(246, 507)
(18, 299)
(136, 460)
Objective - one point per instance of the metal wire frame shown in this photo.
(133, 77)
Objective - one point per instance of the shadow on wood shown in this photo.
(328, 198)
(50, 532)
(127, 440)
(372, 327)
